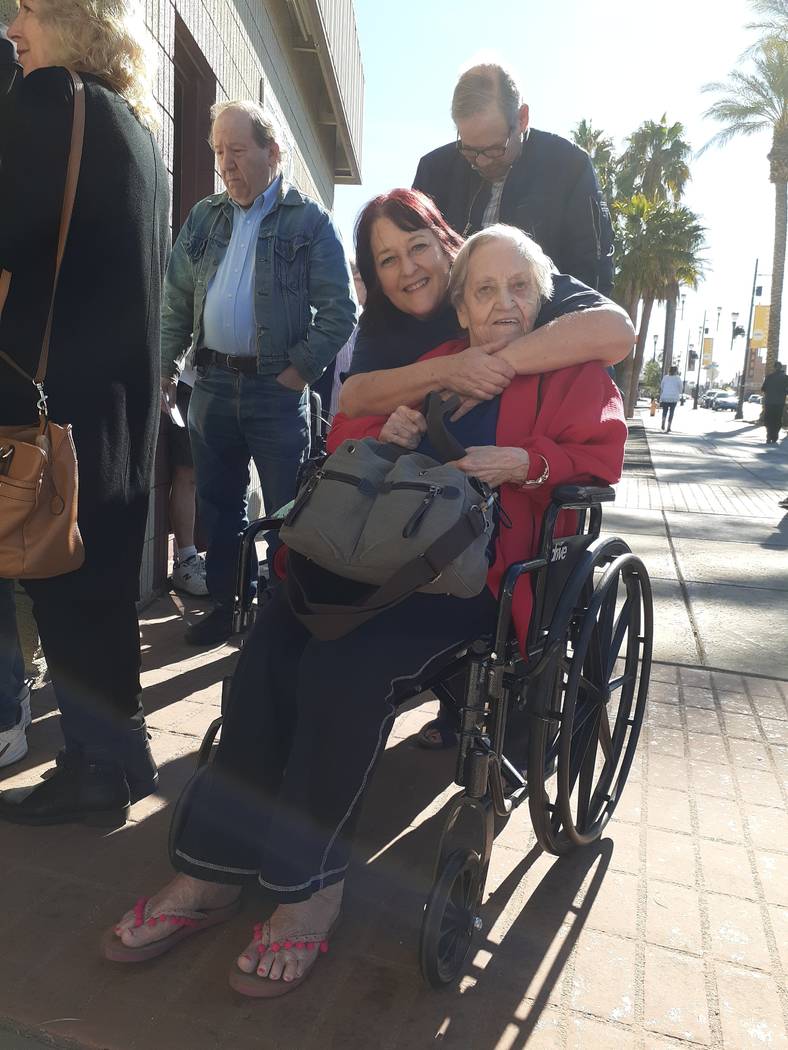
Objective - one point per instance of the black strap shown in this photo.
(436, 412)
(329, 622)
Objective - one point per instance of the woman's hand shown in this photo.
(479, 373)
(495, 465)
(404, 427)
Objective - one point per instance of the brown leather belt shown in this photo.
(205, 357)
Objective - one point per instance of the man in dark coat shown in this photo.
(774, 389)
(502, 170)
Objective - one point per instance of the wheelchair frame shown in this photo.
(562, 692)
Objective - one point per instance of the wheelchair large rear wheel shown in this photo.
(607, 680)
(450, 917)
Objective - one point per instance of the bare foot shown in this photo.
(306, 920)
(182, 894)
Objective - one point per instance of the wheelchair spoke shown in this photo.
(585, 712)
(616, 683)
(587, 777)
(589, 686)
(605, 739)
(607, 615)
(619, 631)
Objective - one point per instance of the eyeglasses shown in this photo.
(491, 152)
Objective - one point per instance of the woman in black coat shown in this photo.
(103, 376)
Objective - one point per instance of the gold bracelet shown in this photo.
(543, 477)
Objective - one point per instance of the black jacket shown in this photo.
(103, 372)
(551, 193)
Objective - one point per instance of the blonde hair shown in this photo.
(108, 39)
(539, 264)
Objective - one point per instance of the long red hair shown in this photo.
(410, 210)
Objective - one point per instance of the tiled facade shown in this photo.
(257, 51)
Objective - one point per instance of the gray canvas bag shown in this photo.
(395, 520)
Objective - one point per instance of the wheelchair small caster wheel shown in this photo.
(450, 918)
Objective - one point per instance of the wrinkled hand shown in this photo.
(169, 392)
(495, 465)
(479, 373)
(292, 379)
(405, 427)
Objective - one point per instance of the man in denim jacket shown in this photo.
(258, 287)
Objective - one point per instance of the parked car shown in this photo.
(725, 402)
(755, 399)
(707, 398)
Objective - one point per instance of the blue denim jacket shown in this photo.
(304, 309)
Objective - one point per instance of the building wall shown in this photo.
(244, 43)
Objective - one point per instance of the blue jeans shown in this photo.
(12, 666)
(234, 418)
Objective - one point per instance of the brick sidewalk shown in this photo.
(667, 933)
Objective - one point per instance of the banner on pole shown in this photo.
(708, 352)
(760, 327)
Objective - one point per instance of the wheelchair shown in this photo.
(579, 689)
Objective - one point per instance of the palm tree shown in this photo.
(773, 21)
(752, 102)
(661, 245)
(654, 162)
(601, 150)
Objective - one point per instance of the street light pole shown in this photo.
(700, 360)
(743, 380)
(686, 365)
(654, 355)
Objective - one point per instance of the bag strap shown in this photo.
(435, 412)
(69, 195)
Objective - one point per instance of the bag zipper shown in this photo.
(418, 515)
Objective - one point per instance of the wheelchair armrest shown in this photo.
(579, 496)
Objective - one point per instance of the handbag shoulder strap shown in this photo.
(69, 195)
(442, 440)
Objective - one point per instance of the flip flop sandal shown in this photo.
(184, 923)
(448, 736)
(256, 987)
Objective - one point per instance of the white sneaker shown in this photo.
(13, 741)
(23, 696)
(189, 576)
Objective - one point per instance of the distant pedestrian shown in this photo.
(774, 390)
(670, 390)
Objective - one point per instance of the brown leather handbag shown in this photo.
(39, 535)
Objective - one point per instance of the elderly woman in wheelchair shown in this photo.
(307, 719)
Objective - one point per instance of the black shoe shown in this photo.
(78, 791)
(143, 781)
(216, 627)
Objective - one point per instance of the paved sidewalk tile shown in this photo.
(670, 932)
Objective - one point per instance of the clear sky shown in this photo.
(613, 62)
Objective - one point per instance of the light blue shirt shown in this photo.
(228, 317)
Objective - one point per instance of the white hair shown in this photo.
(539, 264)
(263, 128)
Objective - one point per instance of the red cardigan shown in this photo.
(580, 431)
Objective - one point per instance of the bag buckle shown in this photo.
(41, 404)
